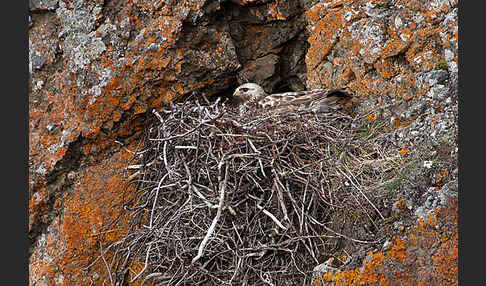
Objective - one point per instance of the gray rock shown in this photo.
(436, 77)
(261, 68)
(36, 62)
(37, 5)
(437, 199)
(323, 268)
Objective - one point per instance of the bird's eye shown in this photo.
(244, 89)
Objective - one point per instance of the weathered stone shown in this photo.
(426, 252)
(97, 67)
(259, 70)
(246, 2)
(43, 46)
(274, 27)
(42, 5)
(275, 34)
(358, 32)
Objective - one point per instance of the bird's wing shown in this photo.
(304, 98)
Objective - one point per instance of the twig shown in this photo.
(361, 191)
(269, 214)
(202, 246)
(190, 131)
(278, 185)
(156, 199)
(350, 238)
(144, 267)
(106, 265)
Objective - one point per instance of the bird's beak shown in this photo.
(236, 93)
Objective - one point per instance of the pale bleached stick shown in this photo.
(222, 190)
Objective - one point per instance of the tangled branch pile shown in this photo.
(247, 201)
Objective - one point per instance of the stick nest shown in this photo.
(247, 201)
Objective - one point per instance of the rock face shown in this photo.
(97, 67)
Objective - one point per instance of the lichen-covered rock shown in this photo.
(376, 47)
(400, 57)
(35, 5)
(96, 67)
(426, 255)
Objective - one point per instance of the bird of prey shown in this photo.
(251, 96)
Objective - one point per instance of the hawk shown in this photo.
(251, 96)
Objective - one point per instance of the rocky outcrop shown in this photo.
(425, 254)
(97, 67)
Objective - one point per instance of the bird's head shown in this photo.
(249, 92)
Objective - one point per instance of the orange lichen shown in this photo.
(400, 122)
(371, 117)
(404, 151)
(329, 25)
(427, 255)
(394, 46)
(400, 205)
(387, 67)
(88, 212)
(442, 177)
(323, 33)
(274, 11)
